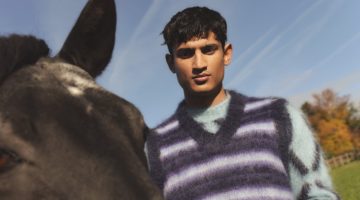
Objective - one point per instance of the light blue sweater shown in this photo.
(264, 143)
(302, 145)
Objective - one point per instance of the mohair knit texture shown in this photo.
(211, 118)
(263, 149)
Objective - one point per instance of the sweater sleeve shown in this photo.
(308, 173)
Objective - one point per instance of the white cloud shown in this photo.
(121, 60)
(271, 48)
(315, 28)
(252, 66)
(344, 85)
(306, 75)
(252, 48)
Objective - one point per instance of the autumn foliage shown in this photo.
(335, 122)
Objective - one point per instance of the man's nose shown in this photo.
(199, 60)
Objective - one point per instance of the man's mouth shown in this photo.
(201, 78)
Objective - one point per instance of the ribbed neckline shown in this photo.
(227, 128)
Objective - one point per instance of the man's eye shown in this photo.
(8, 160)
(210, 49)
(185, 53)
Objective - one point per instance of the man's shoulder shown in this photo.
(252, 102)
(167, 124)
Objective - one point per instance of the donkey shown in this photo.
(62, 136)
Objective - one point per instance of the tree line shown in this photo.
(336, 122)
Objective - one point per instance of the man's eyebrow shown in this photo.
(209, 45)
(184, 48)
(190, 48)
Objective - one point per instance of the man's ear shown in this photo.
(228, 51)
(170, 62)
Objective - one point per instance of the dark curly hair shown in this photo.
(194, 22)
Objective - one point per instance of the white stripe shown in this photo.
(170, 126)
(260, 127)
(258, 104)
(188, 144)
(252, 193)
(221, 163)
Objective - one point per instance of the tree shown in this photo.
(353, 122)
(353, 119)
(329, 115)
(334, 136)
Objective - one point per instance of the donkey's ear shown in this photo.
(91, 40)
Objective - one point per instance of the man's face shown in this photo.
(199, 64)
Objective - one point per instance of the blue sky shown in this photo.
(285, 48)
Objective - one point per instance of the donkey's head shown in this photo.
(89, 44)
(61, 135)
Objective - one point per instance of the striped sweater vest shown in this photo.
(246, 159)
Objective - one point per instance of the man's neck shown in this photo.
(205, 100)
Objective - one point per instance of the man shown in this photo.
(220, 144)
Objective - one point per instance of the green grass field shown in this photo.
(347, 181)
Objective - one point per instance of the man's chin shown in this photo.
(203, 91)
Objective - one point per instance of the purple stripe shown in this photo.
(252, 193)
(183, 146)
(265, 127)
(167, 128)
(249, 176)
(190, 174)
(258, 104)
(255, 142)
(316, 162)
(297, 163)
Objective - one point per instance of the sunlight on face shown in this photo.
(199, 65)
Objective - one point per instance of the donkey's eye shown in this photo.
(8, 160)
